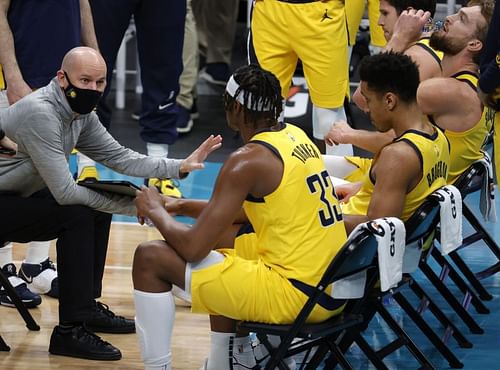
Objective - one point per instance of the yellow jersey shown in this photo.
(433, 151)
(2, 80)
(437, 55)
(298, 230)
(299, 226)
(465, 146)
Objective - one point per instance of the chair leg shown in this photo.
(439, 314)
(451, 299)
(485, 236)
(412, 347)
(369, 352)
(492, 270)
(23, 311)
(453, 361)
(3, 345)
(460, 283)
(470, 276)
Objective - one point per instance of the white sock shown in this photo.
(154, 322)
(83, 161)
(219, 351)
(6, 255)
(262, 354)
(243, 356)
(37, 252)
(157, 150)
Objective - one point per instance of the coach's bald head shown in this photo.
(84, 67)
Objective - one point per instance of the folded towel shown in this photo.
(487, 196)
(390, 234)
(450, 202)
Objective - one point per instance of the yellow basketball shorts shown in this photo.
(315, 33)
(354, 10)
(363, 166)
(243, 288)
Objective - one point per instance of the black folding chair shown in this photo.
(21, 308)
(469, 182)
(420, 230)
(421, 233)
(358, 254)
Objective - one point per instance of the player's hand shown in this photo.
(172, 205)
(408, 27)
(196, 158)
(345, 191)
(7, 143)
(16, 90)
(147, 201)
(340, 133)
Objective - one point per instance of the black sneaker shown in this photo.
(29, 298)
(79, 342)
(105, 321)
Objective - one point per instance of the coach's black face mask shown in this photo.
(81, 101)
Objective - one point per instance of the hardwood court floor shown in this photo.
(29, 349)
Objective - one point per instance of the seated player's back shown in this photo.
(299, 226)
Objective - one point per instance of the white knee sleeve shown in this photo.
(323, 119)
(154, 321)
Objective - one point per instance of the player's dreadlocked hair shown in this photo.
(261, 92)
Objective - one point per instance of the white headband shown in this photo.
(231, 88)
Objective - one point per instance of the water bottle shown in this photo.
(432, 25)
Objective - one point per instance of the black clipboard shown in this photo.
(122, 187)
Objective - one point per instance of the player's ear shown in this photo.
(390, 100)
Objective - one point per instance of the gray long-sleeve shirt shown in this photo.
(46, 130)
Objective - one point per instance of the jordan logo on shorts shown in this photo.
(325, 16)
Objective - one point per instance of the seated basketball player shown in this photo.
(450, 101)
(415, 164)
(277, 181)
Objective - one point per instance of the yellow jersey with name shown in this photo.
(434, 155)
(465, 146)
(299, 227)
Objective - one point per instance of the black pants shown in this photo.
(160, 39)
(82, 241)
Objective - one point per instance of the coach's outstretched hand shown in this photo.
(196, 158)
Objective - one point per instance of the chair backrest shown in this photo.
(356, 255)
(471, 179)
(424, 220)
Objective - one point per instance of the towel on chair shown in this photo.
(487, 196)
(450, 202)
(390, 234)
(391, 239)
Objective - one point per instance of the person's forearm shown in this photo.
(7, 51)
(194, 207)
(88, 31)
(351, 221)
(190, 207)
(371, 141)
